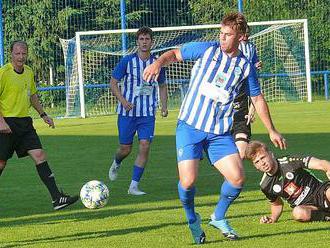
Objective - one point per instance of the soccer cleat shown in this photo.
(113, 171)
(196, 231)
(135, 191)
(225, 228)
(64, 201)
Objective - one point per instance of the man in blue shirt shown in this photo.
(137, 104)
(206, 117)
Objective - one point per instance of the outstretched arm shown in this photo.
(263, 111)
(276, 209)
(37, 106)
(152, 71)
(320, 164)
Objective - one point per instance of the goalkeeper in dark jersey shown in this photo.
(289, 178)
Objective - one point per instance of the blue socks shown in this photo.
(137, 173)
(187, 198)
(227, 195)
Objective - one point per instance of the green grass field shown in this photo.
(80, 150)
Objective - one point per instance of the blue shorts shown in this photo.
(128, 126)
(191, 142)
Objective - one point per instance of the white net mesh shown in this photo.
(280, 48)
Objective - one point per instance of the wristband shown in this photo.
(43, 114)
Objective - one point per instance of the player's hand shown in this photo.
(164, 112)
(49, 121)
(250, 117)
(127, 105)
(258, 65)
(266, 220)
(151, 72)
(277, 139)
(4, 128)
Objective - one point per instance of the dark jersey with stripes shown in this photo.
(292, 181)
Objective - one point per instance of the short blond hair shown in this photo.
(253, 148)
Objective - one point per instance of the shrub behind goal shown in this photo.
(91, 56)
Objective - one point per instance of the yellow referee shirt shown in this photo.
(15, 91)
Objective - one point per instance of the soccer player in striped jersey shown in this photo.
(245, 111)
(137, 105)
(17, 93)
(206, 117)
(290, 178)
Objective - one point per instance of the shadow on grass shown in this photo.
(78, 159)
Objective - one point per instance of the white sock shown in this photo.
(114, 162)
(134, 184)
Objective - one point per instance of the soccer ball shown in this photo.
(94, 194)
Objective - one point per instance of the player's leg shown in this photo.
(6, 149)
(29, 144)
(189, 152)
(145, 130)
(242, 134)
(223, 154)
(320, 208)
(126, 132)
(59, 199)
(241, 141)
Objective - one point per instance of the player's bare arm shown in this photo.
(4, 128)
(163, 99)
(276, 209)
(152, 71)
(263, 111)
(115, 90)
(320, 164)
(38, 107)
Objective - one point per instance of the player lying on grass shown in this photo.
(289, 178)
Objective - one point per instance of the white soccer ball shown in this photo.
(94, 194)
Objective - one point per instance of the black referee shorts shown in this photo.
(22, 139)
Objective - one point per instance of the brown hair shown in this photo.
(21, 42)
(236, 21)
(253, 148)
(143, 30)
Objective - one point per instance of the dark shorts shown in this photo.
(239, 125)
(318, 198)
(22, 139)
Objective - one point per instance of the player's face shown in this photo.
(264, 161)
(229, 39)
(19, 55)
(144, 42)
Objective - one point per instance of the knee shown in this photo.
(125, 150)
(187, 182)
(144, 146)
(2, 164)
(301, 214)
(38, 156)
(238, 181)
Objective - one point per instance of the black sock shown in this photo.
(47, 177)
(319, 215)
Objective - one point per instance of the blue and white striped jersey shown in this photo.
(215, 81)
(134, 89)
(249, 50)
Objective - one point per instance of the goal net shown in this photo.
(91, 56)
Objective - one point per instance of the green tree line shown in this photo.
(42, 22)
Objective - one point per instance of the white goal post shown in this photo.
(90, 57)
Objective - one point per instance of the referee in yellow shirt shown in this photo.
(17, 93)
